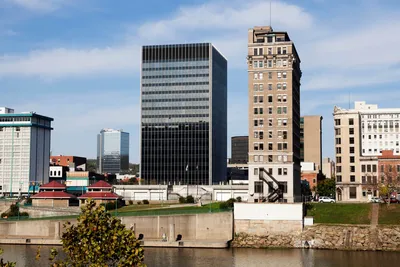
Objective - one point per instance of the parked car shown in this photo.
(326, 200)
(392, 200)
(375, 200)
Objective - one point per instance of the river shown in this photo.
(185, 257)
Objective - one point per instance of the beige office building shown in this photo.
(274, 114)
(361, 134)
(328, 168)
(311, 140)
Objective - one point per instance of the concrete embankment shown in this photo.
(212, 230)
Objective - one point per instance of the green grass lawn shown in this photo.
(136, 207)
(335, 213)
(162, 211)
(389, 214)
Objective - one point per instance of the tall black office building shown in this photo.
(183, 114)
(239, 150)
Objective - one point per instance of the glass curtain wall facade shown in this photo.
(184, 114)
(240, 150)
(112, 151)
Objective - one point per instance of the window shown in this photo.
(352, 169)
(270, 86)
(255, 158)
(279, 86)
(351, 140)
(284, 98)
(270, 110)
(353, 192)
(255, 99)
(255, 87)
(270, 146)
(260, 51)
(284, 85)
(258, 187)
(279, 75)
(338, 141)
(352, 178)
(284, 122)
(269, 63)
(270, 171)
(269, 158)
(284, 110)
(255, 134)
(362, 168)
(337, 131)
(368, 168)
(283, 187)
(255, 52)
(279, 110)
(351, 149)
(270, 122)
(269, 50)
(255, 171)
(17, 129)
(279, 171)
(352, 160)
(284, 50)
(351, 130)
(338, 168)
(255, 76)
(261, 134)
(284, 62)
(337, 122)
(59, 173)
(284, 171)
(339, 178)
(260, 99)
(260, 75)
(374, 168)
(270, 39)
(255, 64)
(256, 146)
(270, 99)
(382, 168)
(1, 129)
(270, 134)
(261, 87)
(338, 150)
(284, 134)
(269, 75)
(279, 51)
(255, 111)
(284, 75)
(261, 110)
(351, 121)
(338, 160)
(363, 180)
(260, 64)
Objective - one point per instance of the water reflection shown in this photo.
(25, 256)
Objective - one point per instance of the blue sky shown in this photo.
(78, 61)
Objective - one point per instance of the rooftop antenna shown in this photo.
(270, 13)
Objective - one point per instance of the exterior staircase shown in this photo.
(274, 192)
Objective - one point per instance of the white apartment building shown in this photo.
(360, 136)
(24, 151)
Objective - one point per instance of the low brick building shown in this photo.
(100, 192)
(389, 169)
(52, 195)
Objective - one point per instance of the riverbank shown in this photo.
(323, 236)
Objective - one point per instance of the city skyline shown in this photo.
(101, 63)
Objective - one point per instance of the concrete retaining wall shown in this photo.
(214, 226)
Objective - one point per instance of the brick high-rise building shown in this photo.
(274, 115)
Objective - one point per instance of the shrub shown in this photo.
(28, 200)
(230, 202)
(130, 202)
(182, 200)
(111, 205)
(146, 202)
(190, 199)
(223, 206)
(139, 202)
(14, 209)
(239, 199)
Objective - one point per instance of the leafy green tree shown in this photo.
(6, 264)
(326, 187)
(98, 239)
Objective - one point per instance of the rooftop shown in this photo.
(100, 195)
(100, 184)
(53, 185)
(53, 194)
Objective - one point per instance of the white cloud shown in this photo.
(63, 62)
(38, 5)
